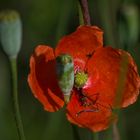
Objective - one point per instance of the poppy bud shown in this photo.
(65, 74)
(10, 32)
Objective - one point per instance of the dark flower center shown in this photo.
(87, 105)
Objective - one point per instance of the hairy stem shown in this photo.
(85, 11)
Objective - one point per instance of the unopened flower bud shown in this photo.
(10, 32)
(65, 73)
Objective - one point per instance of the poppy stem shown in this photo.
(13, 63)
(116, 135)
(75, 132)
(95, 136)
(84, 8)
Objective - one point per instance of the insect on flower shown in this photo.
(65, 74)
(87, 103)
(89, 78)
(93, 105)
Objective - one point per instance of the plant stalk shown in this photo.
(75, 132)
(85, 11)
(13, 63)
(95, 136)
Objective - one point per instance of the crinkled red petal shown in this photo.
(42, 79)
(113, 75)
(81, 44)
(97, 120)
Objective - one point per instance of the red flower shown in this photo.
(112, 79)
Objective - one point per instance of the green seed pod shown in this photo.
(10, 32)
(65, 73)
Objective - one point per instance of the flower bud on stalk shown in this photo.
(65, 73)
(10, 32)
(10, 37)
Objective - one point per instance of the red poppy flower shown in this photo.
(110, 77)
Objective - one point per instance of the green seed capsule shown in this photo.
(10, 32)
(65, 74)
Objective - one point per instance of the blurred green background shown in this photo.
(45, 22)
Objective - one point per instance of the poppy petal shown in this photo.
(42, 79)
(113, 75)
(91, 117)
(81, 44)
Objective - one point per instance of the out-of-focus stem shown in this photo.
(75, 132)
(81, 18)
(18, 120)
(116, 135)
(95, 136)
